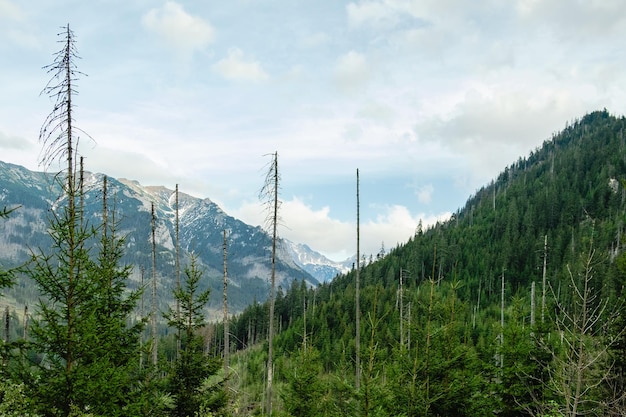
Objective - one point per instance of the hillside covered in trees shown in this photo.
(513, 307)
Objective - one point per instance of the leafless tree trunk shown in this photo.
(154, 292)
(141, 313)
(177, 270)
(543, 285)
(226, 329)
(7, 324)
(269, 193)
(501, 355)
(584, 365)
(532, 304)
(26, 322)
(357, 338)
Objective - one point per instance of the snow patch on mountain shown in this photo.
(314, 262)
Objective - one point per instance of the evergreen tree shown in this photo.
(303, 393)
(6, 276)
(188, 380)
(81, 328)
(113, 387)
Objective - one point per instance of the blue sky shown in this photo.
(429, 99)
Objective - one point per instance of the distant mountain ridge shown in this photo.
(201, 230)
(315, 263)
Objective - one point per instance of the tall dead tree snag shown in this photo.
(543, 279)
(582, 364)
(269, 196)
(153, 318)
(226, 329)
(177, 237)
(57, 133)
(357, 339)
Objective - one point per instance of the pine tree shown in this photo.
(187, 381)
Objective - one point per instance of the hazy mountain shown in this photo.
(201, 230)
(315, 263)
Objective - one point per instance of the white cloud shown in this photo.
(375, 13)
(598, 14)
(316, 39)
(181, 30)
(425, 194)
(302, 224)
(351, 72)
(10, 11)
(396, 225)
(491, 125)
(378, 112)
(335, 239)
(13, 142)
(15, 27)
(238, 67)
(398, 14)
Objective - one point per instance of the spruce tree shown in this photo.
(304, 391)
(6, 276)
(81, 329)
(64, 318)
(187, 381)
(114, 351)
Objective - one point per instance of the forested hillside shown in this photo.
(512, 307)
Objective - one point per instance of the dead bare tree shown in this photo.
(177, 237)
(153, 318)
(269, 195)
(226, 329)
(582, 365)
(357, 340)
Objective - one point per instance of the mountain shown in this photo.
(551, 205)
(315, 263)
(201, 230)
(519, 293)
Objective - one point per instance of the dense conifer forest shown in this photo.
(513, 307)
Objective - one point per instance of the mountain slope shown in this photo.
(568, 192)
(466, 335)
(201, 227)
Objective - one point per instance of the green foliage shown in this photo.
(90, 350)
(303, 391)
(188, 380)
(456, 359)
(7, 277)
(13, 400)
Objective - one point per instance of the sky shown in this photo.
(428, 99)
